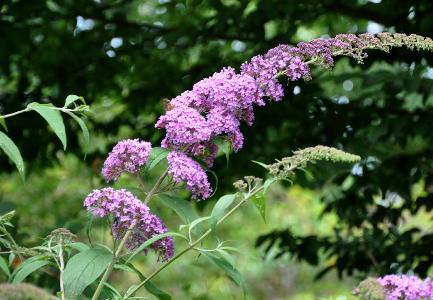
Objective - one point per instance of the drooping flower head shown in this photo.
(216, 106)
(127, 156)
(127, 209)
(183, 168)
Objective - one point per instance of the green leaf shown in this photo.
(53, 118)
(84, 130)
(83, 269)
(157, 154)
(113, 290)
(4, 266)
(151, 241)
(225, 146)
(221, 206)
(12, 151)
(3, 123)
(268, 182)
(231, 272)
(195, 223)
(73, 98)
(260, 164)
(80, 247)
(149, 286)
(225, 255)
(182, 208)
(26, 268)
(260, 203)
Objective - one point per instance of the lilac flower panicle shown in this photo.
(126, 209)
(407, 287)
(217, 105)
(127, 156)
(183, 168)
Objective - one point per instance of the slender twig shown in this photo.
(192, 245)
(156, 186)
(63, 109)
(118, 251)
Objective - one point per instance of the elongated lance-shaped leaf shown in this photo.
(53, 118)
(221, 206)
(12, 151)
(84, 130)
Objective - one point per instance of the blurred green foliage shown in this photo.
(124, 57)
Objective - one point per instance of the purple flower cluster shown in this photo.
(184, 168)
(216, 106)
(399, 287)
(127, 209)
(127, 156)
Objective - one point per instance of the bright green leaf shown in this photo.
(83, 269)
(28, 267)
(151, 241)
(260, 203)
(268, 182)
(53, 118)
(156, 156)
(73, 98)
(12, 151)
(85, 131)
(221, 206)
(4, 266)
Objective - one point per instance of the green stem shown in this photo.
(119, 249)
(15, 113)
(156, 186)
(192, 245)
(28, 109)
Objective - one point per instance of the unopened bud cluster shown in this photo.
(300, 158)
(248, 183)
